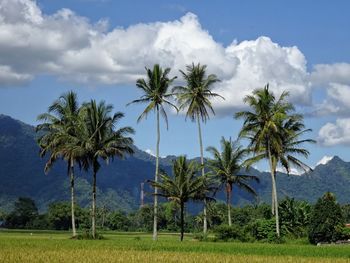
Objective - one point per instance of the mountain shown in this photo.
(22, 174)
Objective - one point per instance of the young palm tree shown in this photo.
(227, 165)
(182, 187)
(101, 140)
(156, 94)
(273, 131)
(57, 133)
(195, 98)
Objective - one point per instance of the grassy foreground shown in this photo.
(47, 246)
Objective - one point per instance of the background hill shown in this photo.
(21, 174)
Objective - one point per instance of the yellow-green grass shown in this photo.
(48, 246)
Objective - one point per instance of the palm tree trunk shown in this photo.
(155, 216)
(274, 190)
(228, 202)
(74, 233)
(272, 200)
(205, 223)
(182, 221)
(93, 216)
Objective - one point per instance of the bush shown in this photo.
(87, 235)
(326, 220)
(264, 230)
(227, 233)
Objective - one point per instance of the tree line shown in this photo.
(83, 135)
(320, 222)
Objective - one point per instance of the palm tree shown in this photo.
(227, 165)
(57, 133)
(273, 131)
(101, 140)
(195, 99)
(155, 94)
(182, 187)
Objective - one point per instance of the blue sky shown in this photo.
(98, 48)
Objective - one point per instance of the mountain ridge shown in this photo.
(22, 174)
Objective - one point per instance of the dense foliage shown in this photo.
(326, 220)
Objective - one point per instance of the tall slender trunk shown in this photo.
(93, 214)
(228, 202)
(182, 221)
(155, 217)
(274, 190)
(272, 200)
(205, 222)
(74, 232)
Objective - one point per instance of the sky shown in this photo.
(99, 48)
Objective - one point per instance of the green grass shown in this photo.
(55, 246)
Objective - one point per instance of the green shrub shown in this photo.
(87, 235)
(227, 233)
(264, 230)
(343, 233)
(326, 220)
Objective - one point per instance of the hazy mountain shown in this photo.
(21, 174)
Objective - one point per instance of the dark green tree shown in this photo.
(326, 220)
(23, 214)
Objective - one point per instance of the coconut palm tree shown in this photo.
(195, 99)
(156, 94)
(273, 131)
(227, 165)
(101, 140)
(57, 137)
(182, 187)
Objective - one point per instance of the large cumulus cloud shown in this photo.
(70, 47)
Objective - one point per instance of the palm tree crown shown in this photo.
(155, 91)
(196, 95)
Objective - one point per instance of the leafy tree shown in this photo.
(227, 165)
(326, 220)
(195, 98)
(59, 214)
(100, 140)
(294, 216)
(118, 220)
(59, 136)
(23, 214)
(155, 94)
(181, 187)
(273, 131)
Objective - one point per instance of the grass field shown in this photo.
(49, 246)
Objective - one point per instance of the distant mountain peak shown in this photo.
(324, 160)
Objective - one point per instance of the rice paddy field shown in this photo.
(50, 246)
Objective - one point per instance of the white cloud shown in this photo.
(323, 74)
(337, 133)
(262, 61)
(337, 101)
(324, 160)
(71, 48)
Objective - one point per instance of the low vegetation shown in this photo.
(34, 246)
